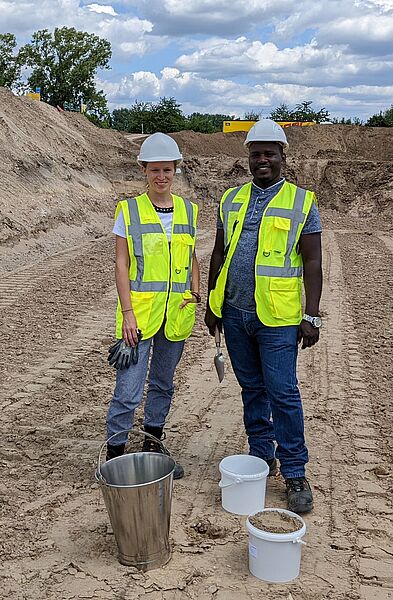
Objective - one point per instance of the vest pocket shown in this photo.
(285, 297)
(185, 320)
(282, 223)
(153, 244)
(142, 303)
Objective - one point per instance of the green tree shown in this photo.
(302, 112)
(201, 123)
(97, 110)
(64, 65)
(166, 116)
(252, 116)
(281, 113)
(134, 119)
(10, 62)
(206, 122)
(347, 121)
(382, 119)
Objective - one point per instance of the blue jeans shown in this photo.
(264, 361)
(130, 384)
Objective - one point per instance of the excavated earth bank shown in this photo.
(60, 180)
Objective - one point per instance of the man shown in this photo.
(268, 243)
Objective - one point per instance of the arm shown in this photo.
(195, 282)
(310, 249)
(129, 330)
(216, 261)
(195, 274)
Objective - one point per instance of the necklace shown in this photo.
(163, 209)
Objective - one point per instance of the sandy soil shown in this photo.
(57, 302)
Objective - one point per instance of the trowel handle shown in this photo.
(217, 337)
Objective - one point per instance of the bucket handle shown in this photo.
(227, 485)
(99, 477)
(299, 541)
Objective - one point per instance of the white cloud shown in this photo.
(215, 55)
(179, 18)
(100, 8)
(128, 34)
(364, 34)
(242, 56)
(197, 93)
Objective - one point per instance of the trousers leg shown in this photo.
(278, 351)
(244, 354)
(164, 360)
(128, 395)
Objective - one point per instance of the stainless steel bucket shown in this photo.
(137, 490)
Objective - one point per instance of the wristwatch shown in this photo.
(315, 321)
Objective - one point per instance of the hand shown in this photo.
(186, 301)
(211, 321)
(308, 334)
(130, 329)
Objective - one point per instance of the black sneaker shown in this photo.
(150, 445)
(114, 451)
(299, 494)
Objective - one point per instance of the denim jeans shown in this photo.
(130, 384)
(264, 361)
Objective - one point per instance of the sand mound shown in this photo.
(58, 169)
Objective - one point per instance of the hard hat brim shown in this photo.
(178, 161)
(283, 144)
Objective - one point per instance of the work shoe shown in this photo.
(150, 445)
(299, 495)
(114, 451)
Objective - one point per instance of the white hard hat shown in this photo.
(266, 130)
(159, 147)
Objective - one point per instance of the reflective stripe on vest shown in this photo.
(136, 229)
(230, 206)
(187, 229)
(296, 216)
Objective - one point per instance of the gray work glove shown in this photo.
(122, 356)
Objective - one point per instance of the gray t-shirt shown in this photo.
(239, 291)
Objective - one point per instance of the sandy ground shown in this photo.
(55, 386)
(60, 179)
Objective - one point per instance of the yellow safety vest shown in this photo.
(160, 277)
(278, 264)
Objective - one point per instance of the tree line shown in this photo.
(64, 64)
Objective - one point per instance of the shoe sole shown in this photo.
(301, 510)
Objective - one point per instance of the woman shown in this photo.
(157, 279)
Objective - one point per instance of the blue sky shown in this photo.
(232, 57)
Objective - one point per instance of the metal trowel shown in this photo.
(219, 357)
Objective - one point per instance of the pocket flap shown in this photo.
(284, 284)
(282, 223)
(186, 238)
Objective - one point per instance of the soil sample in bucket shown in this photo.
(275, 521)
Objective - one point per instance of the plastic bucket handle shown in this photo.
(227, 485)
(98, 475)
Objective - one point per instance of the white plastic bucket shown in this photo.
(275, 557)
(243, 483)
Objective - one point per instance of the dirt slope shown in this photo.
(59, 170)
(57, 302)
